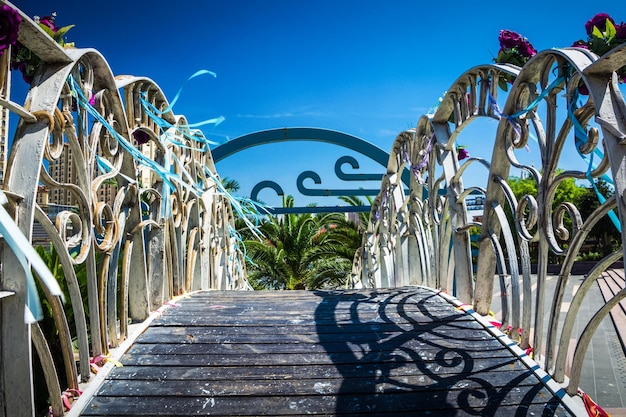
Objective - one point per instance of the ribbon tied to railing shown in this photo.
(580, 135)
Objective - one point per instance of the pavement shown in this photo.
(604, 369)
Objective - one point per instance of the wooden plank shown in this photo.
(302, 386)
(303, 353)
(285, 320)
(164, 328)
(278, 372)
(300, 348)
(374, 330)
(503, 411)
(440, 403)
(383, 359)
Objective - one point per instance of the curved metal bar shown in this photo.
(355, 165)
(136, 253)
(585, 339)
(303, 134)
(328, 192)
(572, 312)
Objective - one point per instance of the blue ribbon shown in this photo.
(165, 126)
(166, 175)
(177, 96)
(245, 208)
(27, 257)
(581, 138)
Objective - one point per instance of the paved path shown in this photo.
(604, 369)
(405, 351)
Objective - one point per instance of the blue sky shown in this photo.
(367, 68)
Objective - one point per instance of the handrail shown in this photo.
(424, 238)
(142, 217)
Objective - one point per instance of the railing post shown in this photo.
(17, 394)
(16, 343)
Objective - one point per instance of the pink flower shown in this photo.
(598, 21)
(9, 27)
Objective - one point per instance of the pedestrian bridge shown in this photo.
(142, 306)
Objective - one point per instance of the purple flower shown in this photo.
(513, 41)
(526, 49)
(462, 153)
(23, 68)
(598, 21)
(620, 31)
(580, 44)
(509, 39)
(9, 27)
(141, 136)
(49, 21)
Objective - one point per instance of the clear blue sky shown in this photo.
(368, 68)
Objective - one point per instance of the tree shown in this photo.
(604, 236)
(230, 185)
(299, 251)
(585, 199)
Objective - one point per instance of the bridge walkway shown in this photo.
(375, 352)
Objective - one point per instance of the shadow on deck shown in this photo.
(406, 351)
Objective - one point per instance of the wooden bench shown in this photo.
(611, 282)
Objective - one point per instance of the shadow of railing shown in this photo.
(402, 351)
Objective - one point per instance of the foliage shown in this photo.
(52, 261)
(514, 48)
(604, 237)
(603, 34)
(355, 201)
(47, 324)
(590, 256)
(302, 251)
(230, 185)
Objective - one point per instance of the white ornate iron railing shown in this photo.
(147, 220)
(424, 238)
(140, 212)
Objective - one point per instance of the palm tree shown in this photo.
(355, 201)
(302, 251)
(230, 185)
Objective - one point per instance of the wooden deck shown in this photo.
(404, 351)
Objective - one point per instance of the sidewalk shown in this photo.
(604, 368)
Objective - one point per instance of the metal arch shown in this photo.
(293, 134)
